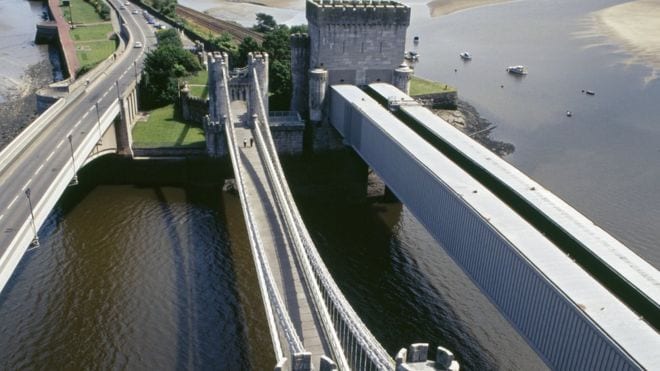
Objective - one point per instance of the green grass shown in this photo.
(200, 78)
(198, 84)
(201, 91)
(91, 53)
(163, 130)
(82, 11)
(419, 86)
(91, 33)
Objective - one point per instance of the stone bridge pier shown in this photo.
(128, 115)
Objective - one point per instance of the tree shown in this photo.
(248, 45)
(276, 43)
(169, 37)
(280, 84)
(265, 23)
(163, 67)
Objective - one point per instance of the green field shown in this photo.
(92, 32)
(198, 84)
(163, 130)
(81, 12)
(419, 86)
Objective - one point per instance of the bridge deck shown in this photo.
(276, 242)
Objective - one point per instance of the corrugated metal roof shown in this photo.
(611, 315)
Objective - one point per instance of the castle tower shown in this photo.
(218, 113)
(259, 61)
(357, 42)
(402, 77)
(299, 70)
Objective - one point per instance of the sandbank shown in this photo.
(443, 7)
(634, 27)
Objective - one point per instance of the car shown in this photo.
(127, 3)
(122, 7)
(135, 11)
(137, 44)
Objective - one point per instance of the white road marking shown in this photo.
(85, 115)
(2, 216)
(39, 169)
(60, 143)
(106, 93)
(12, 202)
(49, 156)
(77, 123)
(28, 182)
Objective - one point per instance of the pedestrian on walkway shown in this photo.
(251, 141)
(244, 142)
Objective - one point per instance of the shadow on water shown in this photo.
(209, 322)
(359, 241)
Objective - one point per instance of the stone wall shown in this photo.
(358, 43)
(193, 109)
(448, 100)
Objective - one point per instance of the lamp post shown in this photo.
(74, 181)
(35, 240)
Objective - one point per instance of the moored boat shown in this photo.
(465, 56)
(519, 70)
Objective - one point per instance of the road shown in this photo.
(39, 162)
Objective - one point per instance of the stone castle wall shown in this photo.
(358, 43)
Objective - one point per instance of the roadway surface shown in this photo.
(36, 166)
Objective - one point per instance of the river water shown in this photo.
(147, 265)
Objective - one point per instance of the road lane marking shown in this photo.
(77, 123)
(49, 156)
(28, 182)
(85, 115)
(104, 94)
(60, 143)
(39, 169)
(12, 202)
(2, 216)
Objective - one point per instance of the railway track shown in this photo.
(217, 25)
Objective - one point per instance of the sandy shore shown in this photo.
(443, 7)
(635, 27)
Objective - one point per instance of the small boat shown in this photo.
(466, 56)
(590, 92)
(411, 56)
(416, 39)
(569, 113)
(518, 70)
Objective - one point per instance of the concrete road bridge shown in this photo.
(93, 119)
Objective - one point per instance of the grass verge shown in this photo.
(162, 129)
(419, 86)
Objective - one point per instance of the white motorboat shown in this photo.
(466, 56)
(518, 70)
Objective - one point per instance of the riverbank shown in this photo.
(19, 107)
(444, 7)
(634, 27)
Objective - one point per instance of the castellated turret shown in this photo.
(299, 70)
(214, 123)
(259, 61)
(218, 64)
(402, 77)
(318, 86)
(349, 42)
(357, 42)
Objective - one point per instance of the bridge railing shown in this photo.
(275, 308)
(352, 343)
